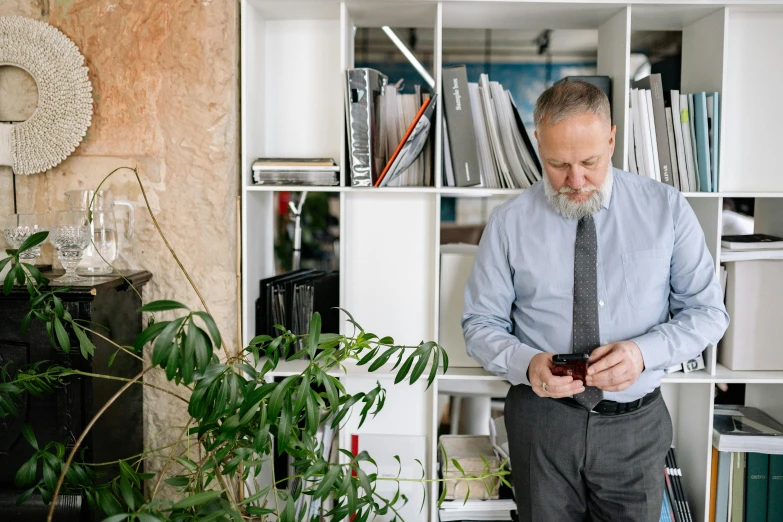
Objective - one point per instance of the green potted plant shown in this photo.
(237, 416)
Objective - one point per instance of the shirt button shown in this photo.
(601, 303)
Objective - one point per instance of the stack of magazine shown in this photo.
(674, 136)
(388, 131)
(296, 171)
(290, 299)
(485, 142)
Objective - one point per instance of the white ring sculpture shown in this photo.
(64, 109)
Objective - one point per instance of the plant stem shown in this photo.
(169, 461)
(274, 489)
(140, 455)
(163, 237)
(124, 349)
(84, 435)
(125, 379)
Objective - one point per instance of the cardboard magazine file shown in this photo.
(468, 451)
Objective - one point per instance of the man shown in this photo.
(591, 260)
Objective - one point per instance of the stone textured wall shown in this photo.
(165, 89)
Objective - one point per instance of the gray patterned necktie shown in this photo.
(585, 325)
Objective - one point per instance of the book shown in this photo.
(679, 143)
(364, 91)
(486, 167)
(476, 510)
(459, 119)
(696, 159)
(756, 487)
(702, 142)
(722, 491)
(728, 255)
(713, 113)
(670, 134)
(737, 511)
(658, 118)
(751, 242)
(714, 482)
(746, 429)
(775, 490)
(685, 121)
(410, 146)
(675, 473)
(296, 171)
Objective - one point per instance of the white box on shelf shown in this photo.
(754, 298)
(456, 262)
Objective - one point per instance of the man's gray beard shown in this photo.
(571, 209)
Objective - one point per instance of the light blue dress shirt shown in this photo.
(657, 284)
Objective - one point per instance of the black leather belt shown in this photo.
(615, 408)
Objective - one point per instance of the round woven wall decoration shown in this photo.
(64, 110)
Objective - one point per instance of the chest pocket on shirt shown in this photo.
(646, 275)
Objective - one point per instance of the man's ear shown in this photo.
(612, 139)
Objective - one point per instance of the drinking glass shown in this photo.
(70, 235)
(18, 227)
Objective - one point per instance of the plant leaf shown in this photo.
(178, 482)
(85, 345)
(211, 328)
(381, 360)
(162, 306)
(62, 335)
(197, 499)
(165, 342)
(33, 240)
(27, 431)
(327, 482)
(8, 283)
(315, 332)
(148, 334)
(25, 476)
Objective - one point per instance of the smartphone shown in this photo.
(573, 364)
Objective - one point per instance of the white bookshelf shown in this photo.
(293, 54)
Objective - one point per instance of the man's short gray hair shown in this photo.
(566, 99)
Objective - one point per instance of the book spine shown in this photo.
(775, 490)
(703, 141)
(756, 486)
(459, 119)
(661, 133)
(670, 135)
(724, 468)
(738, 488)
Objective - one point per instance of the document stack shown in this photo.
(388, 131)
(750, 246)
(674, 137)
(296, 171)
(463, 456)
(485, 142)
(747, 465)
(291, 299)
(675, 507)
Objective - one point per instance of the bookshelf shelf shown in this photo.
(390, 237)
(292, 188)
(723, 374)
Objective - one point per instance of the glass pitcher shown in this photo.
(103, 228)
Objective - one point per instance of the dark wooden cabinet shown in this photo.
(111, 306)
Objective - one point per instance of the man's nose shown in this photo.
(576, 178)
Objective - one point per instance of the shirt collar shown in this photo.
(608, 185)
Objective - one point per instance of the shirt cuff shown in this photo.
(654, 351)
(520, 361)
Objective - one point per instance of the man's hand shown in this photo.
(615, 367)
(540, 372)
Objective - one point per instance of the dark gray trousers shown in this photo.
(569, 464)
